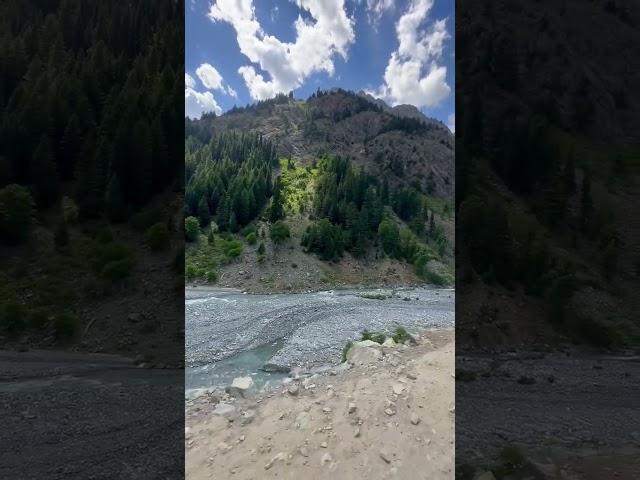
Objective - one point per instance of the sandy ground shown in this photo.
(391, 419)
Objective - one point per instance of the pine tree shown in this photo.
(432, 226)
(44, 174)
(203, 212)
(277, 210)
(115, 207)
(71, 147)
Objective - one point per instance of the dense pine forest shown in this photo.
(545, 176)
(239, 194)
(90, 107)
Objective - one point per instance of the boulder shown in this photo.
(364, 353)
(389, 343)
(240, 386)
(224, 409)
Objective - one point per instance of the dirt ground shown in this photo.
(390, 419)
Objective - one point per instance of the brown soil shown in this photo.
(312, 435)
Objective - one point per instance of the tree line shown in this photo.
(88, 102)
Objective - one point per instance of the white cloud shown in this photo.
(209, 77)
(197, 103)
(451, 122)
(376, 9)
(413, 74)
(231, 92)
(287, 64)
(189, 82)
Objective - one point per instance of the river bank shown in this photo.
(230, 334)
(333, 425)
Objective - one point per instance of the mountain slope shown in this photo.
(359, 195)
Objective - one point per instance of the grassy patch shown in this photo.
(204, 257)
(345, 350)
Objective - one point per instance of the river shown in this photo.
(229, 333)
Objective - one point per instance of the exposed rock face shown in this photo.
(355, 126)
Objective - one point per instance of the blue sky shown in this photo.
(240, 51)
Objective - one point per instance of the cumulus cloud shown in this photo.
(328, 33)
(209, 77)
(196, 103)
(413, 74)
(189, 82)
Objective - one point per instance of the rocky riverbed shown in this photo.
(228, 333)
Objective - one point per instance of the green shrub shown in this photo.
(400, 335)
(261, 249)
(65, 326)
(251, 238)
(345, 350)
(16, 214)
(69, 210)
(212, 277)
(379, 338)
(141, 221)
(38, 318)
(191, 229)
(191, 272)
(279, 232)
(157, 237)
(247, 230)
(232, 248)
(117, 269)
(211, 238)
(366, 335)
(13, 317)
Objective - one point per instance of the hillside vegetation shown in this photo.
(266, 222)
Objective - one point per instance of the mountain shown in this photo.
(335, 190)
(398, 143)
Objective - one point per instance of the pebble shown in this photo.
(303, 451)
(326, 458)
(389, 412)
(326, 410)
(357, 433)
(412, 376)
(279, 457)
(384, 455)
(415, 419)
(352, 407)
(293, 390)
(324, 445)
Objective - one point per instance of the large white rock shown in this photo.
(363, 353)
(240, 386)
(389, 343)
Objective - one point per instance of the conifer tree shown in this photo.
(203, 212)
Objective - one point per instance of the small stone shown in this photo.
(224, 409)
(397, 388)
(357, 433)
(411, 376)
(389, 412)
(415, 419)
(384, 455)
(326, 459)
(293, 390)
(303, 451)
(324, 445)
(326, 410)
(242, 437)
(352, 407)
(279, 457)
(247, 417)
